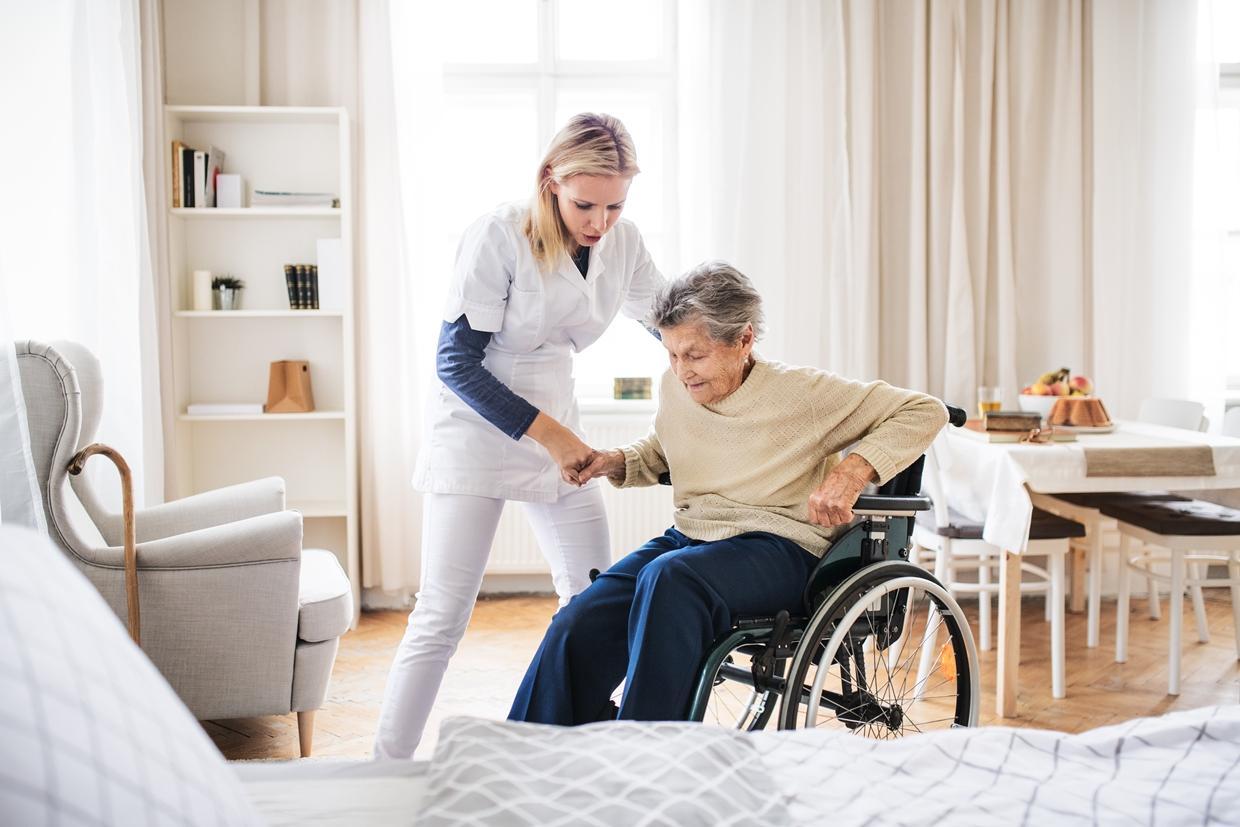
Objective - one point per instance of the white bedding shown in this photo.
(374, 793)
(1182, 768)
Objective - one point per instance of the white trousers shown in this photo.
(457, 532)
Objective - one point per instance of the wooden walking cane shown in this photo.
(131, 550)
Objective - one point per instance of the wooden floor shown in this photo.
(504, 632)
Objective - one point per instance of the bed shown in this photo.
(1176, 769)
(91, 733)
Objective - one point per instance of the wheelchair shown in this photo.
(862, 654)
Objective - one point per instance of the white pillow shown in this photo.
(611, 773)
(90, 732)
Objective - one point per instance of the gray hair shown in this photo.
(715, 293)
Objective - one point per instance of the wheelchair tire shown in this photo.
(860, 667)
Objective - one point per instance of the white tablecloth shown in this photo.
(990, 482)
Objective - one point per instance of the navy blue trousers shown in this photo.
(650, 620)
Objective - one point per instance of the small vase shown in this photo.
(226, 298)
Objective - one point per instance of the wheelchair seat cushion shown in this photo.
(1043, 526)
(1194, 518)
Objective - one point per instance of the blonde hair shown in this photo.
(589, 144)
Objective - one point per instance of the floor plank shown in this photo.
(504, 632)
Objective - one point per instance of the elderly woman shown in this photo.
(753, 447)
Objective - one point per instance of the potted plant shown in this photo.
(226, 293)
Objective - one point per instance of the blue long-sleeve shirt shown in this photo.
(458, 361)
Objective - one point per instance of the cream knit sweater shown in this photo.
(751, 461)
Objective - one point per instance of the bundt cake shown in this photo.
(1079, 411)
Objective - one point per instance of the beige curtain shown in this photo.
(159, 409)
(911, 184)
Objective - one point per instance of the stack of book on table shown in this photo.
(1013, 426)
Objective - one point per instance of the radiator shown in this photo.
(633, 515)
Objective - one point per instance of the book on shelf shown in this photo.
(224, 409)
(200, 178)
(194, 175)
(215, 164)
(302, 283)
(290, 282)
(285, 198)
(177, 173)
(186, 181)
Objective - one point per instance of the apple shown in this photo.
(1060, 389)
(1039, 389)
(1081, 385)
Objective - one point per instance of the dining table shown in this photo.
(996, 483)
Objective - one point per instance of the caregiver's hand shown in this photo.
(832, 503)
(604, 464)
(569, 452)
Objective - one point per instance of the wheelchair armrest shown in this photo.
(873, 504)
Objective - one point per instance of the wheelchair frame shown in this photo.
(881, 536)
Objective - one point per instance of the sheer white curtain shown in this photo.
(394, 357)
(20, 500)
(1214, 343)
(910, 187)
(73, 258)
(1144, 113)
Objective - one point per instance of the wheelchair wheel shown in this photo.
(871, 662)
(734, 703)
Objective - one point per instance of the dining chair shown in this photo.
(1192, 531)
(1085, 508)
(1231, 422)
(1174, 413)
(951, 543)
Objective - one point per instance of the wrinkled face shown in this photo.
(591, 204)
(709, 369)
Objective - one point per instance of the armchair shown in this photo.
(240, 620)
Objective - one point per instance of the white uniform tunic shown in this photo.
(538, 320)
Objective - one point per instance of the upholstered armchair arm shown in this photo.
(198, 511)
(263, 539)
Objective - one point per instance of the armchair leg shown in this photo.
(305, 731)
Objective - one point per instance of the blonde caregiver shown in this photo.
(533, 284)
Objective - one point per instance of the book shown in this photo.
(1011, 421)
(187, 176)
(975, 429)
(215, 165)
(200, 179)
(290, 282)
(330, 255)
(314, 286)
(224, 409)
(177, 190)
(283, 198)
(303, 287)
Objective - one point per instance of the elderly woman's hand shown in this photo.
(603, 464)
(832, 503)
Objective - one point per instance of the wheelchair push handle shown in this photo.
(956, 416)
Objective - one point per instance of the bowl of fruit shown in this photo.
(1050, 387)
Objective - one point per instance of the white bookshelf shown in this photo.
(223, 356)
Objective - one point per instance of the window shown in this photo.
(510, 73)
(1217, 194)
